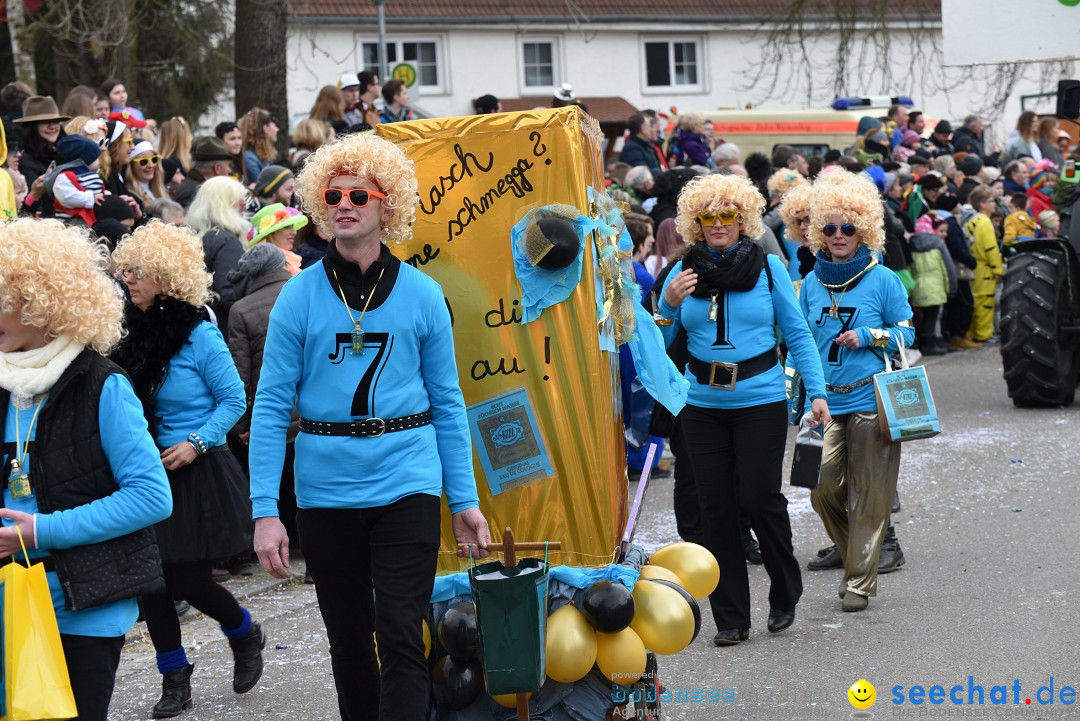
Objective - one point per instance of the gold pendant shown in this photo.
(357, 341)
(20, 486)
(713, 307)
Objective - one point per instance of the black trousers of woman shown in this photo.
(747, 443)
(92, 662)
(392, 550)
(190, 582)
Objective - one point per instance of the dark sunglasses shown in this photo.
(359, 197)
(847, 229)
(152, 160)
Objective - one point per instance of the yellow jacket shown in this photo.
(8, 208)
(984, 246)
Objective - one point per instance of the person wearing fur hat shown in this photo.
(76, 186)
(277, 224)
(728, 295)
(406, 437)
(184, 375)
(84, 481)
(857, 311)
(275, 184)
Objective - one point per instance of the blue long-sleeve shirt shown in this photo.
(142, 499)
(745, 328)
(202, 392)
(408, 366)
(878, 300)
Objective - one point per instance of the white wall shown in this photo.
(609, 63)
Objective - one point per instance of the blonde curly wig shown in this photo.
(55, 277)
(172, 255)
(714, 193)
(784, 180)
(365, 156)
(854, 198)
(796, 205)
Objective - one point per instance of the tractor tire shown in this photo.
(1038, 369)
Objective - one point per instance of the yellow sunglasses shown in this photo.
(152, 160)
(724, 217)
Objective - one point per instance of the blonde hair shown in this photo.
(176, 141)
(172, 255)
(310, 134)
(853, 197)
(215, 206)
(784, 180)
(54, 276)
(157, 182)
(714, 193)
(689, 120)
(796, 205)
(365, 156)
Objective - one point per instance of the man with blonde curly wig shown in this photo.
(362, 344)
(82, 478)
(729, 296)
(858, 312)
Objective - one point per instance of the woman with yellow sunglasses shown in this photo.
(729, 296)
(114, 161)
(144, 177)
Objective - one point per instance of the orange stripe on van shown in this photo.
(790, 127)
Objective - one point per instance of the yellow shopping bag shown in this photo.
(35, 677)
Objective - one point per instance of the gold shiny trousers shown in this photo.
(854, 496)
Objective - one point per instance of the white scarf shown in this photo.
(30, 373)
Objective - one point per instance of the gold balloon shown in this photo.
(508, 700)
(620, 656)
(662, 618)
(660, 572)
(693, 564)
(570, 645)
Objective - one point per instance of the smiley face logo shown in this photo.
(862, 694)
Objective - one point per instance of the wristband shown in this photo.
(197, 443)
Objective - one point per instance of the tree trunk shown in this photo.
(259, 58)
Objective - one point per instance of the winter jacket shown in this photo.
(965, 141)
(221, 252)
(957, 242)
(638, 151)
(984, 246)
(694, 148)
(1018, 226)
(1038, 201)
(965, 189)
(188, 188)
(933, 270)
(249, 319)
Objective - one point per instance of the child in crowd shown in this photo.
(1019, 225)
(76, 186)
(935, 280)
(989, 267)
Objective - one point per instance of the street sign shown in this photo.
(404, 72)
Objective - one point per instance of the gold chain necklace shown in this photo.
(19, 483)
(834, 308)
(357, 334)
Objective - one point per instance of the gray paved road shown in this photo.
(990, 590)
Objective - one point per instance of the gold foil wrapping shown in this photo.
(477, 176)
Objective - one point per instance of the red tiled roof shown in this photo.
(591, 10)
(605, 110)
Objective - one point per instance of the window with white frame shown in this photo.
(673, 63)
(424, 54)
(539, 64)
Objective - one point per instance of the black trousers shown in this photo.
(374, 569)
(92, 662)
(928, 319)
(958, 311)
(745, 443)
(191, 582)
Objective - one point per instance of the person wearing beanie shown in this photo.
(923, 195)
(971, 166)
(941, 138)
(278, 224)
(910, 142)
(76, 186)
(487, 104)
(115, 219)
(275, 184)
(1049, 223)
(1040, 190)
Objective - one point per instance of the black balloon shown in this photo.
(686, 597)
(608, 606)
(456, 683)
(458, 632)
(565, 240)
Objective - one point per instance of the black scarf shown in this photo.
(736, 270)
(153, 338)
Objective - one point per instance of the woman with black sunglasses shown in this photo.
(729, 296)
(858, 311)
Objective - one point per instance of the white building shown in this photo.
(694, 54)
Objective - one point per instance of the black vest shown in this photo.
(68, 469)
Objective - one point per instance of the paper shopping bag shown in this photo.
(906, 410)
(35, 677)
